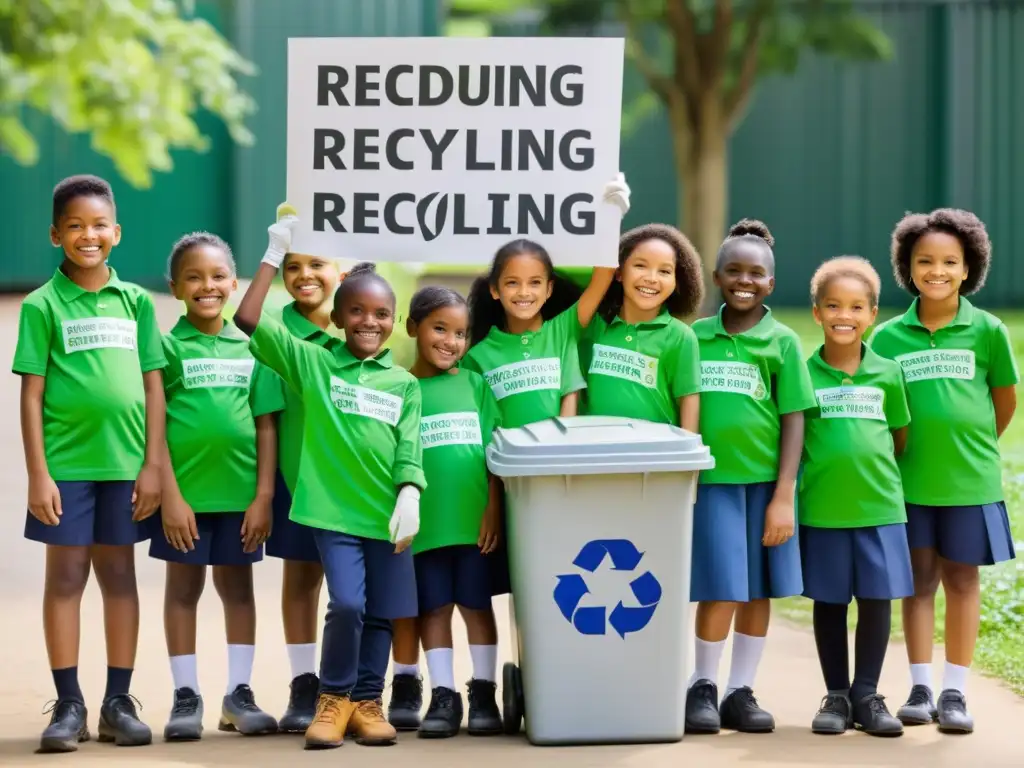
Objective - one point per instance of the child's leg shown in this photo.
(300, 610)
(874, 623)
(405, 646)
(749, 632)
(182, 590)
(67, 572)
(962, 586)
(484, 715)
(436, 627)
(919, 615)
(115, 573)
(714, 620)
(830, 637)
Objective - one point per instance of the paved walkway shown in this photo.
(789, 683)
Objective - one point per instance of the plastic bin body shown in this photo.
(576, 487)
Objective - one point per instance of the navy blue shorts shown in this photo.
(367, 572)
(460, 575)
(729, 562)
(220, 542)
(93, 512)
(843, 563)
(289, 540)
(977, 535)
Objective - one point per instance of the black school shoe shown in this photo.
(919, 708)
(953, 714)
(835, 715)
(484, 715)
(301, 704)
(406, 702)
(741, 712)
(872, 716)
(68, 727)
(444, 715)
(702, 714)
(120, 724)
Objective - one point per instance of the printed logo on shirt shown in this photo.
(734, 378)
(362, 401)
(937, 364)
(461, 428)
(625, 364)
(527, 376)
(98, 333)
(851, 403)
(204, 372)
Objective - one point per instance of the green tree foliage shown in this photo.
(131, 73)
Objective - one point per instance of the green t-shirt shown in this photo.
(529, 373)
(849, 476)
(459, 415)
(92, 347)
(639, 371)
(360, 436)
(289, 425)
(950, 375)
(215, 390)
(747, 382)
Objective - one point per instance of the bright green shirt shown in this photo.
(747, 382)
(289, 425)
(92, 347)
(529, 373)
(459, 415)
(952, 456)
(849, 475)
(360, 436)
(639, 371)
(215, 390)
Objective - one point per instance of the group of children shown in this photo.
(269, 432)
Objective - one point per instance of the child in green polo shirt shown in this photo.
(753, 391)
(961, 382)
(853, 537)
(358, 487)
(641, 361)
(92, 406)
(218, 484)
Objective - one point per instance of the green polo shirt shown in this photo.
(289, 426)
(950, 375)
(639, 371)
(849, 475)
(215, 390)
(360, 436)
(747, 382)
(92, 347)
(529, 373)
(459, 415)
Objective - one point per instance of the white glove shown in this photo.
(617, 192)
(280, 237)
(405, 522)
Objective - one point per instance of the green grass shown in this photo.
(1000, 650)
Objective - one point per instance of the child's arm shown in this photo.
(1004, 400)
(407, 472)
(490, 526)
(1003, 376)
(779, 519)
(257, 522)
(899, 440)
(247, 316)
(179, 521)
(570, 405)
(146, 497)
(600, 281)
(43, 495)
(689, 412)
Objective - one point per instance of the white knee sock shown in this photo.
(485, 662)
(302, 658)
(441, 667)
(406, 669)
(921, 674)
(955, 677)
(240, 658)
(708, 657)
(746, 656)
(185, 672)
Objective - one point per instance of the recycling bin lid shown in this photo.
(589, 445)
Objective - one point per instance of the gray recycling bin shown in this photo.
(599, 526)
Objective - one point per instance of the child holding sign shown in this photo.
(853, 540)
(358, 487)
(754, 389)
(961, 382)
(636, 337)
(217, 486)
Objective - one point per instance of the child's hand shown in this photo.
(179, 522)
(617, 192)
(256, 524)
(778, 522)
(490, 530)
(405, 522)
(280, 240)
(44, 499)
(146, 496)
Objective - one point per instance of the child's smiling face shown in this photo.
(367, 316)
(937, 266)
(745, 275)
(649, 275)
(441, 336)
(310, 280)
(87, 231)
(845, 310)
(523, 287)
(205, 280)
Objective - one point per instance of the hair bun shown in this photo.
(754, 228)
(363, 268)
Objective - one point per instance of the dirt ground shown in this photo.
(789, 682)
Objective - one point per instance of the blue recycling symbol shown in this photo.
(593, 620)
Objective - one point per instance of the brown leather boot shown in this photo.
(330, 723)
(369, 726)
